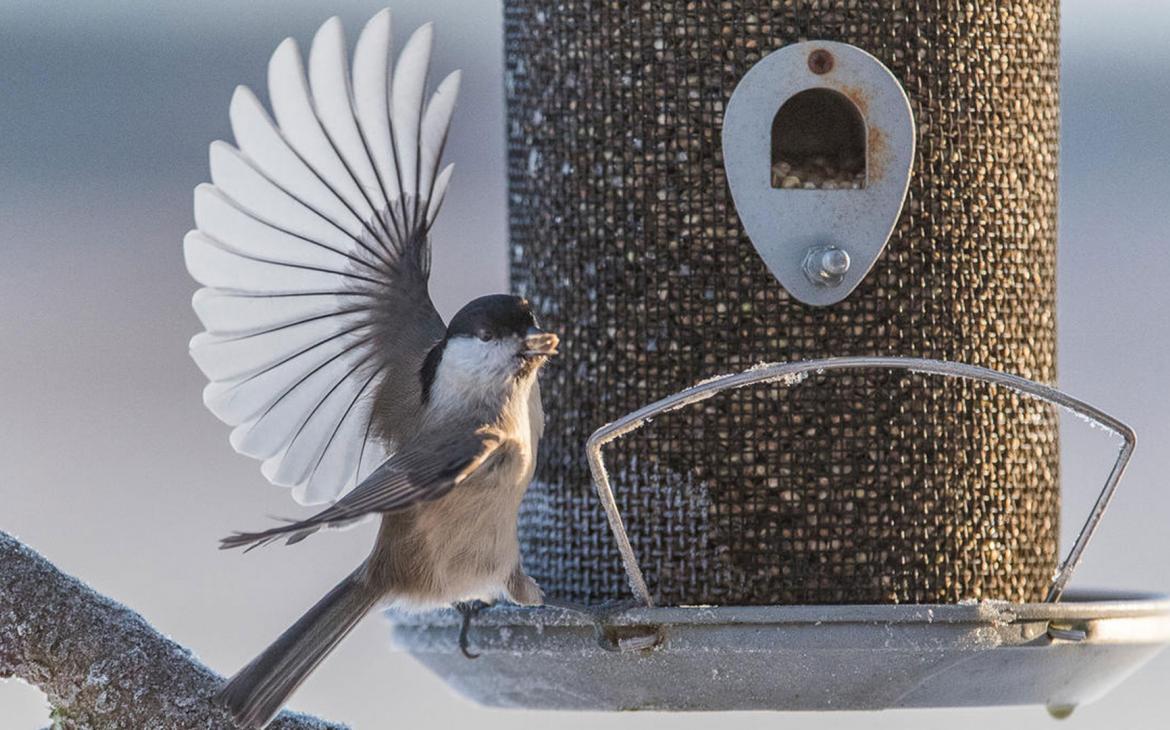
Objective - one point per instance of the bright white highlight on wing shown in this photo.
(310, 243)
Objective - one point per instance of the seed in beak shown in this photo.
(540, 343)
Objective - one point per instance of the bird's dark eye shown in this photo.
(484, 334)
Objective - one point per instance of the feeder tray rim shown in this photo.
(1076, 605)
(799, 657)
(791, 373)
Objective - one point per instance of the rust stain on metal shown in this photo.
(858, 96)
(877, 154)
(877, 148)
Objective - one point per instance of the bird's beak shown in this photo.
(538, 343)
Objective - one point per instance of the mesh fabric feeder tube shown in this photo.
(873, 522)
(873, 487)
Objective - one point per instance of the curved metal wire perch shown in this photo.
(794, 372)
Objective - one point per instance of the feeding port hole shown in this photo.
(818, 142)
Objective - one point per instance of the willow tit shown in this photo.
(327, 357)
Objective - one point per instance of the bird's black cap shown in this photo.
(490, 317)
(493, 316)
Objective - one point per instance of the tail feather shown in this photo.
(258, 691)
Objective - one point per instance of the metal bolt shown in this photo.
(1067, 633)
(826, 265)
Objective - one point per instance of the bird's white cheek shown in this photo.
(471, 368)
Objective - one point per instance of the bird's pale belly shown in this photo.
(461, 547)
(473, 546)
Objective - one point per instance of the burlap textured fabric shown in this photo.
(866, 487)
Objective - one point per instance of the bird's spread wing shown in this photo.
(424, 469)
(312, 246)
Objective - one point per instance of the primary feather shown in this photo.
(312, 244)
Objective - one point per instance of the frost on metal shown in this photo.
(100, 664)
(847, 657)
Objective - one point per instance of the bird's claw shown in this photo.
(467, 610)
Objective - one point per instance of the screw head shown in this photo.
(820, 61)
(826, 265)
(835, 262)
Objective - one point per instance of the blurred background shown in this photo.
(112, 468)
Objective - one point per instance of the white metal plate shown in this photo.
(784, 224)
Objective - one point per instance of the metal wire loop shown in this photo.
(792, 373)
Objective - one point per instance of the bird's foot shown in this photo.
(467, 609)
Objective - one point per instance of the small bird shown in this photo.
(327, 356)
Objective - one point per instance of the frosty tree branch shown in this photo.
(101, 664)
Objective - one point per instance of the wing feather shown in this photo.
(311, 243)
(440, 191)
(231, 358)
(213, 264)
(293, 108)
(238, 315)
(406, 106)
(343, 450)
(435, 123)
(275, 427)
(220, 219)
(371, 103)
(250, 190)
(242, 398)
(312, 437)
(258, 138)
(332, 101)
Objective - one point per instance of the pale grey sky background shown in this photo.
(110, 465)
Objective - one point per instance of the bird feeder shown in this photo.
(861, 195)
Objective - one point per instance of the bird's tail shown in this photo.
(257, 692)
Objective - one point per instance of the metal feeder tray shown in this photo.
(1060, 653)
